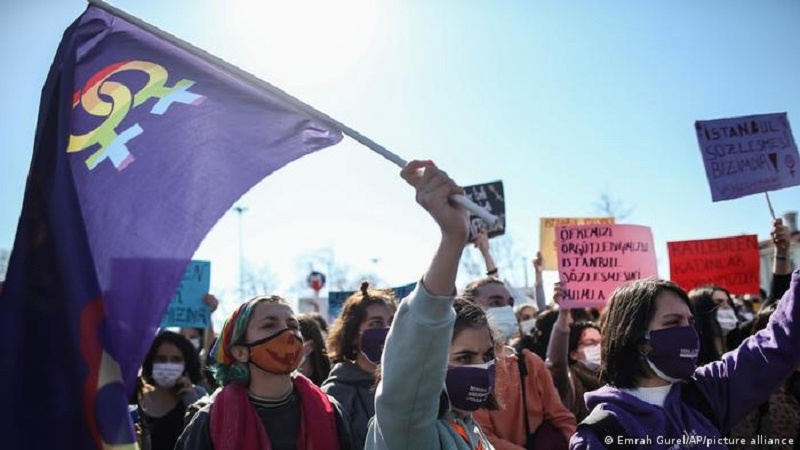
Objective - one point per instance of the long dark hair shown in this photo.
(540, 335)
(705, 321)
(575, 334)
(630, 310)
(190, 357)
(320, 365)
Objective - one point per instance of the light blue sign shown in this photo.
(187, 309)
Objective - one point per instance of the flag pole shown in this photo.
(460, 200)
(769, 203)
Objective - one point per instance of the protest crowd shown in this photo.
(614, 357)
(654, 367)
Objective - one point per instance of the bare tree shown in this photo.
(257, 280)
(506, 255)
(612, 207)
(472, 264)
(339, 275)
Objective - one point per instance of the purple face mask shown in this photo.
(673, 356)
(469, 386)
(371, 345)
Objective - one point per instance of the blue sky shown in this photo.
(561, 100)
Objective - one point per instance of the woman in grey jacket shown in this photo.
(433, 348)
(354, 345)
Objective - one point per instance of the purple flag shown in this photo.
(140, 148)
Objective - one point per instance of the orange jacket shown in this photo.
(504, 427)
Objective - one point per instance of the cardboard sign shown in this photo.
(491, 197)
(336, 299)
(748, 155)
(732, 263)
(594, 259)
(547, 234)
(187, 309)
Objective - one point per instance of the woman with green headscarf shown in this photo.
(264, 403)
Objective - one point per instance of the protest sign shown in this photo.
(336, 302)
(547, 234)
(336, 299)
(491, 197)
(187, 309)
(748, 155)
(594, 259)
(732, 263)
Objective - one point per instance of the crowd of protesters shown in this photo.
(657, 367)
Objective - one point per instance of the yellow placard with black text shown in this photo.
(547, 234)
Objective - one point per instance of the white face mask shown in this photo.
(747, 316)
(166, 374)
(503, 318)
(726, 319)
(527, 326)
(591, 357)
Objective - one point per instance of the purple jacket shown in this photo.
(743, 379)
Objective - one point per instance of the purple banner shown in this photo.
(140, 148)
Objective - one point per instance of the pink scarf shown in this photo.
(235, 424)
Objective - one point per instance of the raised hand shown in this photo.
(184, 385)
(434, 189)
(538, 263)
(211, 301)
(780, 236)
(481, 242)
(564, 319)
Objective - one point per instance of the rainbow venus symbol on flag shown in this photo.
(141, 145)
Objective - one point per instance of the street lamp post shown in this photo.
(525, 268)
(240, 211)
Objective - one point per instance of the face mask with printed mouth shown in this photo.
(468, 387)
(504, 320)
(591, 354)
(279, 353)
(371, 343)
(673, 352)
(166, 375)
